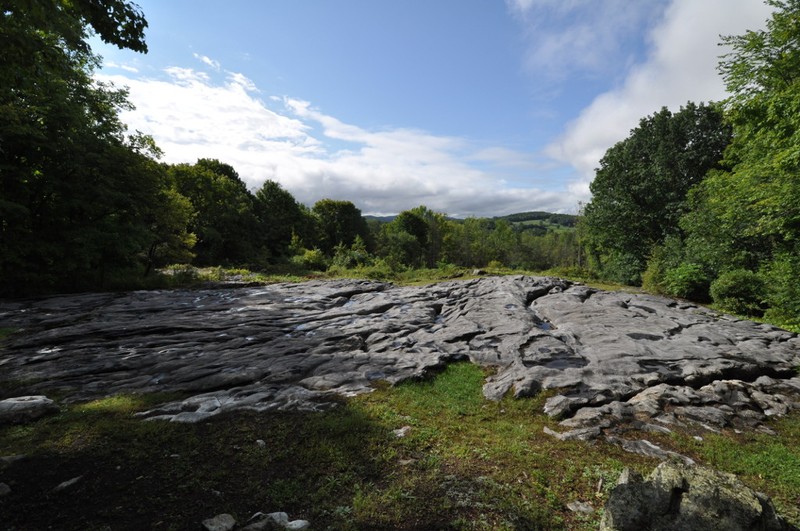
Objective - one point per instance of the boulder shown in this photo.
(689, 498)
(22, 409)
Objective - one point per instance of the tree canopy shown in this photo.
(639, 191)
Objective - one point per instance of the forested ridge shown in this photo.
(701, 203)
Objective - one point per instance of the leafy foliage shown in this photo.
(339, 222)
(748, 217)
(76, 193)
(639, 192)
(739, 291)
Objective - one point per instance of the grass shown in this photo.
(463, 463)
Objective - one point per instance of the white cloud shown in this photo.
(127, 68)
(585, 37)
(208, 61)
(315, 155)
(681, 67)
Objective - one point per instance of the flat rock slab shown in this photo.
(613, 357)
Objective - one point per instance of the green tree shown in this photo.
(280, 217)
(639, 192)
(748, 216)
(339, 223)
(75, 193)
(225, 222)
(171, 242)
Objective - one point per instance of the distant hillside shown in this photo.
(567, 220)
(538, 222)
(382, 219)
(541, 222)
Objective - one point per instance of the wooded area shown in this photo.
(702, 203)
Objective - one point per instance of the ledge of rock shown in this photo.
(615, 358)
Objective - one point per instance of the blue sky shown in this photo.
(470, 107)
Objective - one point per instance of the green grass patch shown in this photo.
(463, 463)
(767, 462)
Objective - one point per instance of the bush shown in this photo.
(351, 257)
(688, 281)
(784, 290)
(739, 291)
(312, 259)
(663, 257)
(624, 269)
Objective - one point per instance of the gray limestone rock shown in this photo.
(22, 409)
(65, 485)
(689, 498)
(221, 522)
(609, 358)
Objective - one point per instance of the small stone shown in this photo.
(401, 432)
(11, 459)
(648, 449)
(580, 434)
(279, 518)
(580, 507)
(261, 443)
(298, 525)
(67, 484)
(221, 522)
(5, 490)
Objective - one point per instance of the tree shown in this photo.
(339, 223)
(280, 217)
(639, 192)
(172, 242)
(225, 222)
(75, 191)
(748, 216)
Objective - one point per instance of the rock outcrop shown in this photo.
(689, 498)
(615, 358)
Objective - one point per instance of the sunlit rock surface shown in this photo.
(615, 358)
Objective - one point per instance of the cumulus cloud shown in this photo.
(680, 67)
(192, 114)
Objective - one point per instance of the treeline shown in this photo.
(84, 205)
(705, 203)
(702, 203)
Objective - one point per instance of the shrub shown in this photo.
(624, 268)
(783, 292)
(739, 291)
(663, 257)
(688, 281)
(313, 259)
(351, 257)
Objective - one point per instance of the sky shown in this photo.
(469, 107)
